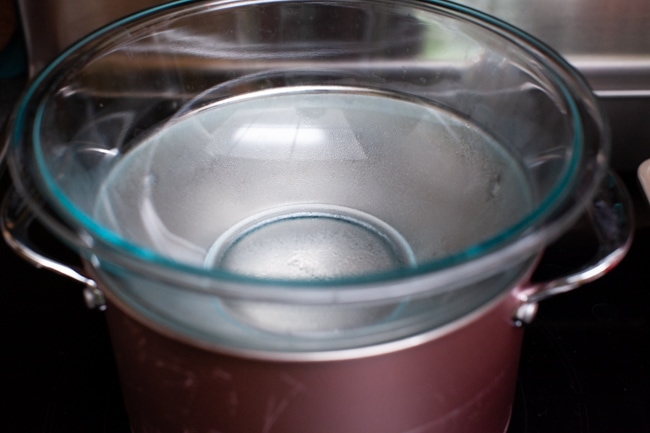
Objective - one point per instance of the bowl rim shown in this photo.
(516, 243)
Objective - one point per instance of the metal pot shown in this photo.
(313, 216)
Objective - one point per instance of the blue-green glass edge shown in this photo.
(474, 251)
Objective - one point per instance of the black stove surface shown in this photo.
(585, 365)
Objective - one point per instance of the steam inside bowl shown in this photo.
(314, 183)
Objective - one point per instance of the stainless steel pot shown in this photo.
(313, 216)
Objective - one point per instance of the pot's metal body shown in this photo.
(455, 379)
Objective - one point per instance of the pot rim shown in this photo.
(520, 241)
(502, 305)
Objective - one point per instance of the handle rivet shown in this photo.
(94, 298)
(525, 314)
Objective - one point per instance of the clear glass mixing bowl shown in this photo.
(307, 175)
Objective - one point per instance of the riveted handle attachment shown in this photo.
(610, 213)
(16, 220)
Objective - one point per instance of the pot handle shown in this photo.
(610, 214)
(16, 220)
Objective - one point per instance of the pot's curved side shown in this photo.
(463, 381)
